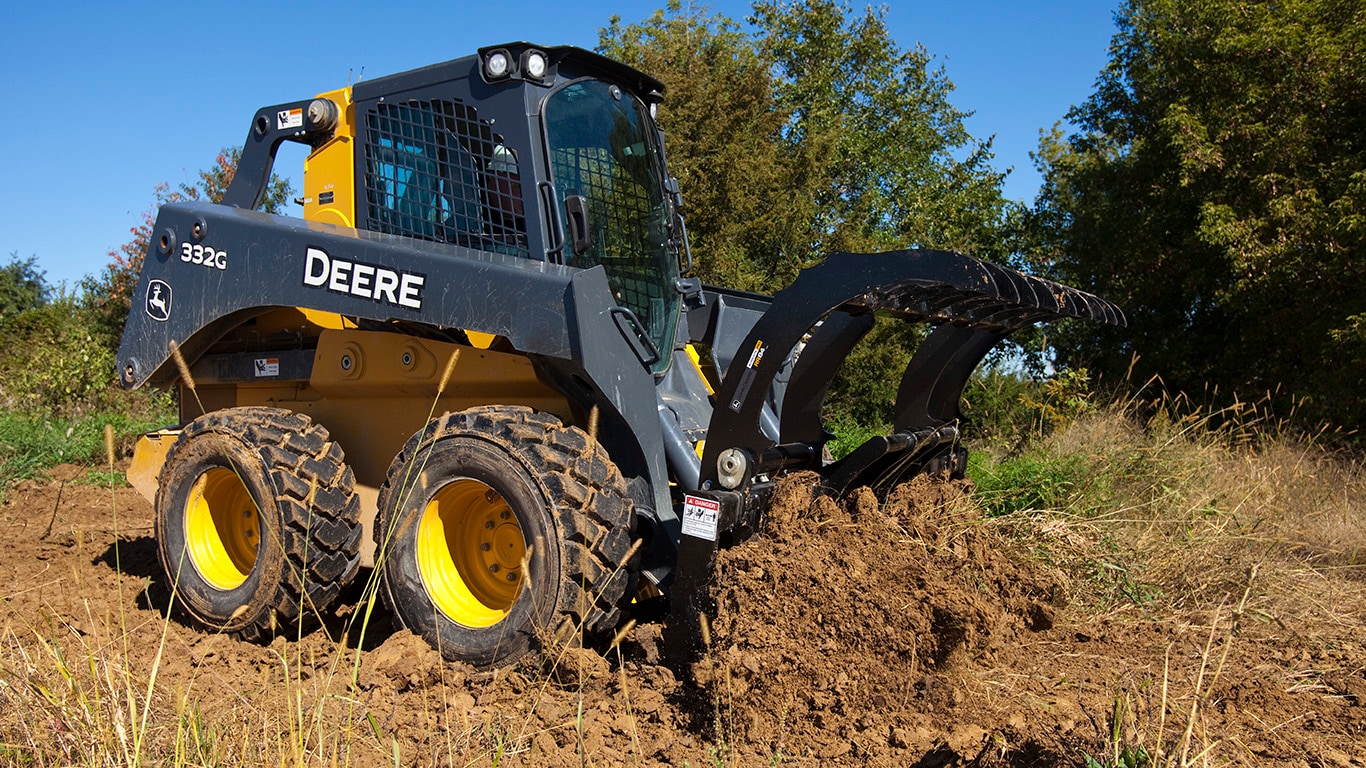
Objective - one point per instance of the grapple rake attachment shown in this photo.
(827, 310)
(817, 320)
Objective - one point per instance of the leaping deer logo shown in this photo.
(159, 300)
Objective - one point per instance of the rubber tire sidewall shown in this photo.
(452, 458)
(212, 606)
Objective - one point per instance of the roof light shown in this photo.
(497, 64)
(534, 64)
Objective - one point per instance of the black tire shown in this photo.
(256, 521)
(453, 568)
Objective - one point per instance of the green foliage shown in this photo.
(1128, 757)
(865, 389)
(51, 360)
(1214, 188)
(30, 444)
(818, 133)
(1065, 396)
(105, 478)
(724, 141)
(994, 410)
(1004, 405)
(22, 286)
(884, 155)
(1035, 480)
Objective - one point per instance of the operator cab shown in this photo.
(541, 153)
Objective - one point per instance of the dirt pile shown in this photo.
(911, 632)
(838, 632)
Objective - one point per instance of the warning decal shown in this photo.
(267, 366)
(289, 118)
(700, 517)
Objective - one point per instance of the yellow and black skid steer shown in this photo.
(473, 364)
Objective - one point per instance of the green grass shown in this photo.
(31, 444)
(1036, 480)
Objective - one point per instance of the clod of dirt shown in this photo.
(577, 666)
(406, 662)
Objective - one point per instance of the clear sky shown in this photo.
(101, 102)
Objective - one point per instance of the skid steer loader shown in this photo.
(473, 365)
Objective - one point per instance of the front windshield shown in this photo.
(603, 150)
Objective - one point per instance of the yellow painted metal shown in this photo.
(372, 401)
(373, 390)
(697, 363)
(481, 340)
(469, 553)
(149, 453)
(328, 320)
(329, 172)
(222, 528)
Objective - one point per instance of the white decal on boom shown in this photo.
(366, 281)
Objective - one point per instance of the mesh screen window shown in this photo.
(434, 171)
(621, 210)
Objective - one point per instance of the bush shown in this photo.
(1036, 480)
(52, 362)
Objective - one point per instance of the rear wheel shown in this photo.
(500, 525)
(256, 520)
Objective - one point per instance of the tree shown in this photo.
(888, 158)
(109, 295)
(817, 133)
(724, 143)
(1215, 187)
(22, 286)
(814, 134)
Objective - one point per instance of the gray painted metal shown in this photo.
(559, 316)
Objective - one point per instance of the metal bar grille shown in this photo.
(434, 171)
(626, 232)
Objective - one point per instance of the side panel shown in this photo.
(212, 267)
(242, 263)
(372, 390)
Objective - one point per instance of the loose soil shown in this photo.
(910, 632)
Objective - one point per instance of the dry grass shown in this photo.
(1193, 510)
(1217, 522)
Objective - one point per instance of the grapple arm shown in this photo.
(830, 306)
(825, 311)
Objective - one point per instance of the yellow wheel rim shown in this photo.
(469, 552)
(222, 528)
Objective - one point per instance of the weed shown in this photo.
(105, 478)
(32, 443)
(1037, 480)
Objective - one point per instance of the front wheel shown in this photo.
(257, 521)
(498, 526)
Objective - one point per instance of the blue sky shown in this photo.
(104, 101)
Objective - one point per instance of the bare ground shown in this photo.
(909, 633)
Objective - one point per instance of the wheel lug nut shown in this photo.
(490, 496)
(512, 576)
(488, 524)
(505, 514)
(493, 568)
(485, 547)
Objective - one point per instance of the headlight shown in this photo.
(497, 64)
(534, 64)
